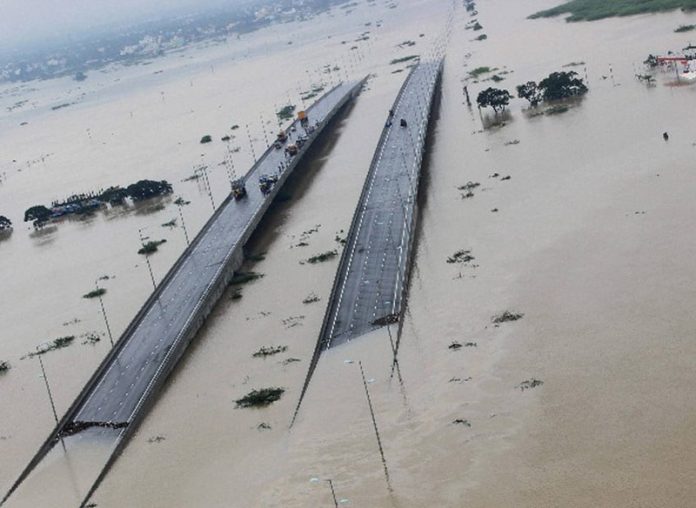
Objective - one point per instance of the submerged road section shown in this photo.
(131, 375)
(370, 285)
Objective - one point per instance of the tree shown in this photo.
(561, 85)
(145, 189)
(495, 98)
(39, 214)
(530, 91)
(5, 223)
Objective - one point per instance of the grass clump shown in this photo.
(206, 139)
(590, 10)
(151, 246)
(481, 37)
(403, 59)
(269, 351)
(244, 277)
(324, 256)
(260, 398)
(95, 293)
(506, 317)
(685, 28)
(58, 343)
(461, 256)
(286, 112)
(529, 384)
(479, 71)
(311, 298)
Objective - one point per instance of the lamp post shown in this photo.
(39, 352)
(147, 259)
(106, 320)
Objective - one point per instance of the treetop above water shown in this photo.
(589, 10)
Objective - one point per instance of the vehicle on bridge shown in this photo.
(291, 150)
(282, 136)
(238, 189)
(266, 183)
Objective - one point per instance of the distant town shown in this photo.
(140, 43)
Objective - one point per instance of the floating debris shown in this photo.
(91, 338)
(4, 367)
(469, 186)
(263, 426)
(389, 319)
(288, 361)
(460, 421)
(156, 439)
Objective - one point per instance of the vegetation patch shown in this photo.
(460, 421)
(469, 186)
(245, 277)
(91, 339)
(461, 256)
(311, 298)
(481, 37)
(590, 10)
(403, 59)
(4, 367)
(206, 139)
(95, 293)
(286, 112)
(529, 384)
(685, 28)
(5, 223)
(260, 398)
(266, 351)
(574, 64)
(324, 256)
(506, 316)
(170, 224)
(151, 247)
(58, 343)
(479, 71)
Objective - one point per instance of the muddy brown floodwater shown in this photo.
(590, 242)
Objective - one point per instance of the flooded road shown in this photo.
(589, 242)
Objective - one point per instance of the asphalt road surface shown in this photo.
(373, 271)
(148, 348)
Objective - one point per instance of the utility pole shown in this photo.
(333, 492)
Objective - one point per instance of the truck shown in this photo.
(282, 136)
(291, 149)
(238, 189)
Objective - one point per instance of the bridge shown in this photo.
(129, 378)
(370, 285)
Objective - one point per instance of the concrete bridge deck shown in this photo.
(132, 373)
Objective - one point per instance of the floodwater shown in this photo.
(590, 242)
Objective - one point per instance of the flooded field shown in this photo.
(588, 243)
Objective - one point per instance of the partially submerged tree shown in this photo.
(562, 85)
(495, 98)
(38, 214)
(530, 91)
(5, 223)
(145, 189)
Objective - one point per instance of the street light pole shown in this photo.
(147, 259)
(183, 225)
(48, 388)
(106, 320)
(333, 492)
